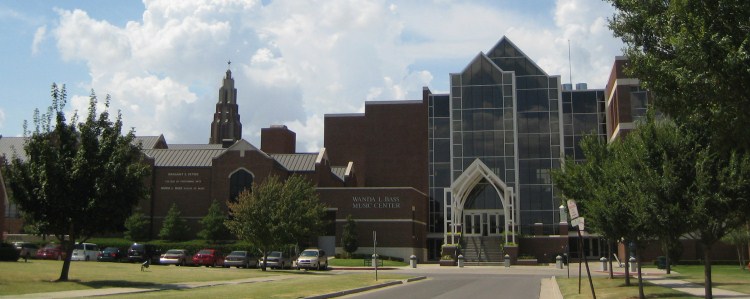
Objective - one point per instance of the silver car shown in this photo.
(312, 259)
(277, 260)
(179, 257)
(239, 259)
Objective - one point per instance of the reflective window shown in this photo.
(239, 181)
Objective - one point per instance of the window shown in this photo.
(239, 181)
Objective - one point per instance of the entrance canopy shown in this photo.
(459, 193)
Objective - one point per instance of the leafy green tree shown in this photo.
(349, 239)
(213, 224)
(694, 56)
(739, 237)
(174, 227)
(276, 214)
(79, 178)
(137, 227)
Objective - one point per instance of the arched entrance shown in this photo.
(474, 209)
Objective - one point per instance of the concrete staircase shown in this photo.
(482, 251)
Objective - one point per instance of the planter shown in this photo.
(448, 263)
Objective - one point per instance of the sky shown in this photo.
(162, 61)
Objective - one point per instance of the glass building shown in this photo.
(493, 142)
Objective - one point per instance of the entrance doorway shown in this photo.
(483, 222)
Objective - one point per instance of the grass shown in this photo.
(728, 277)
(723, 276)
(360, 263)
(304, 286)
(37, 276)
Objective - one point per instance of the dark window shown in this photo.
(239, 181)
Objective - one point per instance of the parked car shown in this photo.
(277, 260)
(312, 259)
(51, 252)
(141, 252)
(239, 259)
(25, 249)
(208, 257)
(112, 254)
(178, 257)
(85, 252)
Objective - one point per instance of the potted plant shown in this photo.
(449, 254)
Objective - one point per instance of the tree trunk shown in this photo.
(641, 295)
(68, 246)
(627, 264)
(707, 271)
(669, 263)
(609, 256)
(265, 260)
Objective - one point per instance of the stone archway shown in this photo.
(459, 193)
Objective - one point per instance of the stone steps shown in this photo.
(479, 250)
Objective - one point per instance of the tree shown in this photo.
(349, 236)
(739, 237)
(137, 227)
(276, 214)
(213, 224)
(174, 227)
(79, 179)
(694, 55)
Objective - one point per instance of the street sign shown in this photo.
(572, 210)
(579, 222)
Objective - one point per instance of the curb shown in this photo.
(365, 289)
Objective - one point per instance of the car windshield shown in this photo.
(274, 254)
(50, 246)
(204, 251)
(309, 253)
(238, 253)
(174, 251)
(110, 249)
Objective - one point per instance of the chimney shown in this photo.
(278, 139)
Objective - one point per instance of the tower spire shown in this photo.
(226, 127)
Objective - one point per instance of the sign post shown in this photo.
(374, 253)
(579, 222)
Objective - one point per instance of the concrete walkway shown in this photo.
(693, 288)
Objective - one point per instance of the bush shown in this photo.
(8, 252)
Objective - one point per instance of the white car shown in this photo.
(179, 257)
(312, 259)
(85, 252)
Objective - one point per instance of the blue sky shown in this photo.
(162, 61)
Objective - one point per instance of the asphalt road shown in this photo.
(458, 285)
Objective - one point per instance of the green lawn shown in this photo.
(360, 263)
(724, 277)
(38, 276)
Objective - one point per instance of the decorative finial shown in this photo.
(229, 64)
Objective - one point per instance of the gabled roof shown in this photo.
(195, 146)
(509, 57)
(339, 171)
(149, 142)
(482, 71)
(12, 146)
(302, 162)
(183, 157)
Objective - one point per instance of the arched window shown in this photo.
(239, 181)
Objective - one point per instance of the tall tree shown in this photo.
(174, 227)
(276, 214)
(78, 179)
(349, 239)
(695, 56)
(213, 224)
(137, 227)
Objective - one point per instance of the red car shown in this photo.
(51, 252)
(208, 257)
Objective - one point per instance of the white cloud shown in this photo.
(39, 37)
(2, 118)
(295, 61)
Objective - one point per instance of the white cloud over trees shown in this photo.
(294, 61)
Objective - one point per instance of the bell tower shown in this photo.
(226, 127)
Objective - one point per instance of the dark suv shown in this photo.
(142, 252)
